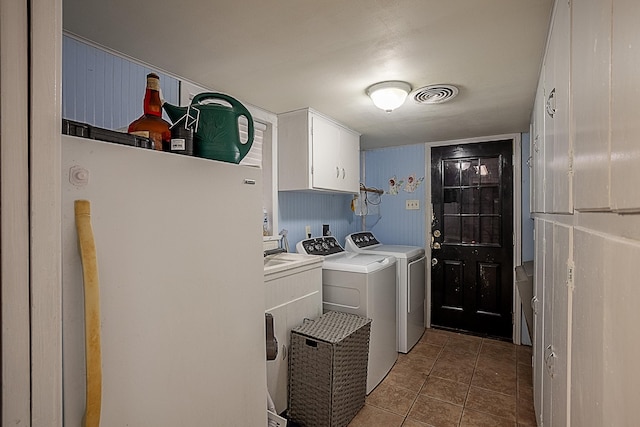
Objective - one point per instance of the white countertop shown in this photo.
(286, 261)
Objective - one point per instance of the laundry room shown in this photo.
(440, 207)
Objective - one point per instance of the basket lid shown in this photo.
(332, 327)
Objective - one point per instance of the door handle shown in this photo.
(551, 103)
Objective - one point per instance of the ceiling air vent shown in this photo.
(435, 94)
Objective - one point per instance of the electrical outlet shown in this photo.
(412, 205)
(307, 231)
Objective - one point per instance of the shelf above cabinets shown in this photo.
(317, 153)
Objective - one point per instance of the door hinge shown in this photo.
(570, 279)
(570, 171)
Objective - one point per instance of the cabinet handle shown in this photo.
(534, 303)
(284, 352)
(337, 172)
(344, 174)
(551, 109)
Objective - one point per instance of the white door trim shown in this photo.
(14, 217)
(45, 215)
(517, 221)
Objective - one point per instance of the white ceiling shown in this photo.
(288, 54)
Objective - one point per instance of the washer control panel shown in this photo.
(327, 245)
(363, 239)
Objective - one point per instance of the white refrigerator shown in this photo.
(179, 252)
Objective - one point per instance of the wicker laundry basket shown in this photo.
(328, 369)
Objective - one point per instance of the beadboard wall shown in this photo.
(299, 209)
(104, 89)
(395, 224)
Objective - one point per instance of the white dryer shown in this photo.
(362, 284)
(411, 283)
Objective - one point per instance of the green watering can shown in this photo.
(216, 132)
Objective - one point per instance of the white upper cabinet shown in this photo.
(317, 153)
(625, 104)
(591, 91)
(557, 142)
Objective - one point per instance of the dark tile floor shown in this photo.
(457, 380)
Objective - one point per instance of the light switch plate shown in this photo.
(412, 205)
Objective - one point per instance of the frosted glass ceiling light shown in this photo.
(389, 95)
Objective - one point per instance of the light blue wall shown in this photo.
(298, 209)
(395, 224)
(103, 89)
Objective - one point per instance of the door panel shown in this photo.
(472, 271)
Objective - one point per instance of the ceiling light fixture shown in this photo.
(389, 95)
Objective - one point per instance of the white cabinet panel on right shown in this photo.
(625, 104)
(605, 58)
(605, 375)
(590, 87)
(557, 142)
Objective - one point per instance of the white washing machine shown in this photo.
(362, 284)
(411, 283)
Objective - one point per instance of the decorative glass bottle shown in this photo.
(151, 124)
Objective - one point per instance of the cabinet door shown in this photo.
(589, 331)
(557, 357)
(349, 161)
(547, 334)
(326, 153)
(625, 104)
(538, 313)
(557, 139)
(538, 165)
(335, 157)
(590, 87)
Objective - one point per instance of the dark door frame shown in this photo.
(517, 218)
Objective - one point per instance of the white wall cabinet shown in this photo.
(585, 346)
(317, 153)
